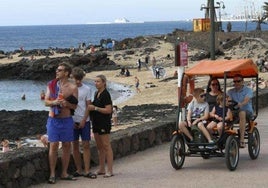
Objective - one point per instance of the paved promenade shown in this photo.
(151, 168)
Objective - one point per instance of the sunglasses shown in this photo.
(59, 70)
(237, 81)
(215, 84)
(202, 95)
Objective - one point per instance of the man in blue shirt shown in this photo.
(243, 96)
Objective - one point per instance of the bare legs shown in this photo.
(53, 155)
(65, 158)
(184, 129)
(77, 156)
(242, 126)
(86, 155)
(105, 152)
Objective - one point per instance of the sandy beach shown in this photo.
(153, 91)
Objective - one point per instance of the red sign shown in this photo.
(183, 61)
(181, 54)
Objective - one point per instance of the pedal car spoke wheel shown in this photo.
(177, 151)
(231, 153)
(254, 144)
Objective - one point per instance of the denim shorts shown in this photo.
(60, 129)
(84, 133)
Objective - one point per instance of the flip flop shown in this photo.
(76, 174)
(52, 180)
(68, 178)
(100, 173)
(108, 175)
(91, 175)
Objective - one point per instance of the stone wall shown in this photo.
(28, 166)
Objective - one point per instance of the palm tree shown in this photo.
(261, 19)
(265, 8)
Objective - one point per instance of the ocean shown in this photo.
(65, 36)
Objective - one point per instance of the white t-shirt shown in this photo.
(84, 95)
(198, 109)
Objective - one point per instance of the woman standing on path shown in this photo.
(100, 114)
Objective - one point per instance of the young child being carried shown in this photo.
(217, 113)
(198, 113)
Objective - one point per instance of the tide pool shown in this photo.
(11, 92)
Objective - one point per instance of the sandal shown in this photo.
(99, 173)
(108, 175)
(91, 175)
(76, 174)
(51, 180)
(68, 178)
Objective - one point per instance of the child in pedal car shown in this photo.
(217, 115)
(198, 113)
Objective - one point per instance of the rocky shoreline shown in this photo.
(27, 123)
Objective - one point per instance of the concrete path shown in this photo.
(152, 169)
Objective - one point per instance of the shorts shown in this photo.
(249, 115)
(102, 129)
(60, 129)
(84, 133)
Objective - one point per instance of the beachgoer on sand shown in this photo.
(23, 97)
(137, 84)
(42, 95)
(139, 64)
(127, 73)
(5, 144)
(18, 143)
(115, 115)
(43, 139)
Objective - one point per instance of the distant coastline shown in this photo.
(66, 36)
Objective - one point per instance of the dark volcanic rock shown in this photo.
(30, 123)
(22, 123)
(44, 69)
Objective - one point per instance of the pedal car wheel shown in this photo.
(231, 152)
(177, 151)
(254, 144)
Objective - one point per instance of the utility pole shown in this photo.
(212, 30)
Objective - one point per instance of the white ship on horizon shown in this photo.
(116, 21)
(121, 20)
(125, 21)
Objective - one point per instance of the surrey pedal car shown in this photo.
(226, 145)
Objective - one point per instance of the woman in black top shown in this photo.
(213, 90)
(100, 114)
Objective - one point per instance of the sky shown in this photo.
(54, 12)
